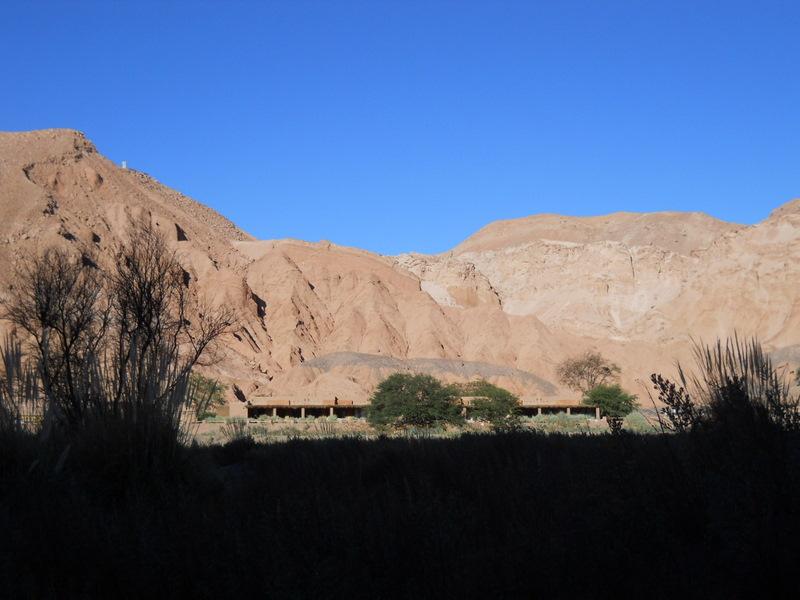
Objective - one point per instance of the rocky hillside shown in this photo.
(317, 320)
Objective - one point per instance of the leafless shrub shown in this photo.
(117, 346)
(58, 303)
(151, 309)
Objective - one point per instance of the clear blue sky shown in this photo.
(405, 125)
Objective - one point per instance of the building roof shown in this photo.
(297, 402)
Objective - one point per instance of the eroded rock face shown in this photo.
(701, 277)
(319, 321)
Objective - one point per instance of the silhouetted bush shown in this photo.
(735, 386)
(112, 352)
(679, 411)
(19, 388)
(59, 303)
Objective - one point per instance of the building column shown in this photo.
(302, 412)
(569, 410)
(538, 411)
(597, 413)
(274, 412)
(330, 411)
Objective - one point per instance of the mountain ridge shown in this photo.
(518, 294)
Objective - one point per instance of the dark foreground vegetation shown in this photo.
(502, 515)
(106, 496)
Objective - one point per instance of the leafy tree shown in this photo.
(587, 371)
(206, 394)
(614, 402)
(413, 400)
(494, 404)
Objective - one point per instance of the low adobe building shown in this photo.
(294, 406)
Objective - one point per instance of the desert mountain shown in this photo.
(318, 320)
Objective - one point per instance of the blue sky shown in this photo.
(404, 125)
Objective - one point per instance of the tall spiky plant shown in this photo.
(735, 382)
(19, 388)
(738, 379)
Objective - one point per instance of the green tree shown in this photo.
(414, 400)
(614, 402)
(587, 371)
(493, 404)
(206, 395)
